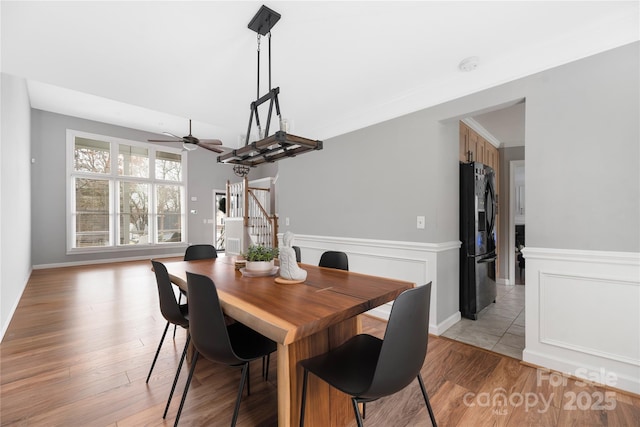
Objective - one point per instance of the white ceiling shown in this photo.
(340, 65)
(505, 125)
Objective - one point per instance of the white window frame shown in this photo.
(114, 193)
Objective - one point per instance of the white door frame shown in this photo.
(215, 214)
(511, 257)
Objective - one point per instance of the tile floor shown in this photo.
(500, 326)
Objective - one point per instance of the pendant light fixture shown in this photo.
(280, 144)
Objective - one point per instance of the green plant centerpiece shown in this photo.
(260, 258)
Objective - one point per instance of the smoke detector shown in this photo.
(468, 64)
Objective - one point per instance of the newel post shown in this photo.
(245, 200)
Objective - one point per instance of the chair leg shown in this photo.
(186, 387)
(155, 358)
(303, 402)
(248, 379)
(175, 380)
(426, 400)
(364, 410)
(245, 375)
(357, 411)
(265, 367)
(175, 326)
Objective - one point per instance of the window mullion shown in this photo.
(153, 213)
(113, 217)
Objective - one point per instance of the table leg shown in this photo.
(325, 406)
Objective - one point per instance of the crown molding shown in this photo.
(482, 131)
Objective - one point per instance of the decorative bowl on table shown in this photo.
(258, 273)
(259, 266)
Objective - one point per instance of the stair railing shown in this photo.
(259, 224)
(248, 203)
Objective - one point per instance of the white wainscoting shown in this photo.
(410, 261)
(234, 235)
(583, 314)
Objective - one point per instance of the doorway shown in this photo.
(220, 210)
(516, 221)
(500, 327)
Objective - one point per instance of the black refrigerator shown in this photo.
(478, 237)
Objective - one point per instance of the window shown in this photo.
(123, 194)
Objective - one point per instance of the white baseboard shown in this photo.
(583, 313)
(591, 373)
(105, 261)
(14, 307)
(383, 312)
(441, 327)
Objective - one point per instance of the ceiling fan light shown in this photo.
(189, 146)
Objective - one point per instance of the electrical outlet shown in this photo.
(286, 221)
(420, 222)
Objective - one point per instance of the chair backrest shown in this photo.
(200, 252)
(206, 321)
(334, 259)
(168, 305)
(296, 249)
(404, 347)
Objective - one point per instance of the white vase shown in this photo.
(259, 266)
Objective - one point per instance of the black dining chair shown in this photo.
(368, 368)
(334, 259)
(296, 249)
(175, 313)
(195, 252)
(233, 345)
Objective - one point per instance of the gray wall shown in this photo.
(49, 183)
(372, 183)
(15, 201)
(582, 153)
(582, 158)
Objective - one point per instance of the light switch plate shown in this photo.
(420, 222)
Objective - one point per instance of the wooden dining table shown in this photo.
(304, 319)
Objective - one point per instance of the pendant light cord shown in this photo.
(269, 60)
(258, 73)
(258, 62)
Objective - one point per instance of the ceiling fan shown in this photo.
(190, 142)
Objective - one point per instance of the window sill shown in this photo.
(127, 248)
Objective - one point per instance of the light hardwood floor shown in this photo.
(81, 342)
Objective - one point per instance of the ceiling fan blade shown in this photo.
(170, 134)
(190, 140)
(213, 148)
